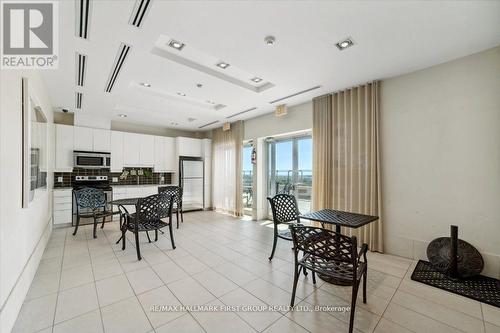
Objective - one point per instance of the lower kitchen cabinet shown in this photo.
(62, 206)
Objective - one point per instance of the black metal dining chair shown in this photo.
(92, 199)
(148, 217)
(176, 192)
(285, 211)
(333, 256)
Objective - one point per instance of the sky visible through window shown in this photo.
(284, 156)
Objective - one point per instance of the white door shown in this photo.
(84, 139)
(64, 147)
(102, 140)
(116, 151)
(131, 147)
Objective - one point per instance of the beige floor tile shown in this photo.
(153, 300)
(414, 321)
(491, 314)
(113, 289)
(43, 284)
(76, 301)
(36, 314)
(169, 272)
(214, 282)
(190, 264)
(257, 314)
(222, 322)
(143, 280)
(386, 326)
(268, 292)
(490, 328)
(235, 273)
(108, 268)
(184, 324)
(285, 325)
(76, 276)
(439, 312)
(190, 292)
(86, 323)
(126, 316)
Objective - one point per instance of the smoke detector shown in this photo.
(270, 40)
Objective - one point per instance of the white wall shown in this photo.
(152, 130)
(440, 139)
(299, 118)
(23, 232)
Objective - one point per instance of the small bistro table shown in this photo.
(122, 203)
(339, 219)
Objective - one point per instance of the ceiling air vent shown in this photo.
(117, 66)
(140, 9)
(213, 122)
(81, 62)
(242, 112)
(78, 100)
(293, 95)
(82, 18)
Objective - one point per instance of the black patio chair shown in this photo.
(176, 192)
(92, 199)
(333, 256)
(285, 211)
(148, 217)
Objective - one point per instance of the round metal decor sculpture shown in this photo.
(469, 261)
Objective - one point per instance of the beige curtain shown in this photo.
(226, 169)
(346, 157)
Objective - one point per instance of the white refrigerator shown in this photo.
(191, 180)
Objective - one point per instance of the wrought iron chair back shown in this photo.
(325, 244)
(153, 207)
(175, 191)
(284, 208)
(165, 204)
(89, 197)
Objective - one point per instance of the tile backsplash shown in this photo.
(68, 177)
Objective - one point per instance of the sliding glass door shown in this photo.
(290, 169)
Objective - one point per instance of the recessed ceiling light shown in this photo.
(173, 124)
(223, 65)
(176, 44)
(270, 40)
(256, 79)
(344, 44)
(210, 102)
(181, 94)
(199, 85)
(147, 85)
(121, 115)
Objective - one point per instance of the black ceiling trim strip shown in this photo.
(123, 52)
(213, 122)
(87, 5)
(143, 12)
(137, 13)
(242, 112)
(80, 34)
(293, 95)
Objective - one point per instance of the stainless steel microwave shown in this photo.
(91, 160)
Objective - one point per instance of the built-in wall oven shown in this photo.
(91, 160)
(100, 182)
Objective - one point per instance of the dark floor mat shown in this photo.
(481, 288)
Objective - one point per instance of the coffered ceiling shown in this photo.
(390, 38)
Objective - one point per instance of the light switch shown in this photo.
(59, 179)
(115, 179)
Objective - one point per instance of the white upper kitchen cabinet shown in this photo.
(147, 150)
(131, 147)
(160, 155)
(84, 139)
(64, 138)
(170, 158)
(102, 140)
(116, 151)
(189, 147)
